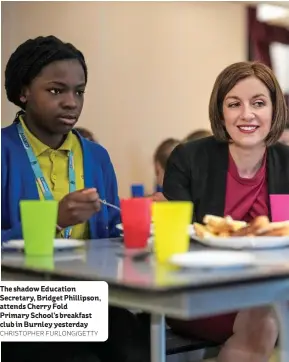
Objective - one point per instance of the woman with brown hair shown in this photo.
(233, 173)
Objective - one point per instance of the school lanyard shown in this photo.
(40, 179)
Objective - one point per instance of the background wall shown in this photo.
(151, 67)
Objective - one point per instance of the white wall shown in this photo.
(151, 67)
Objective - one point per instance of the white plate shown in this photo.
(244, 242)
(59, 244)
(213, 259)
(191, 229)
(58, 257)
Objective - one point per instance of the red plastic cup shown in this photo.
(136, 221)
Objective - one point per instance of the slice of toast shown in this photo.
(202, 232)
(275, 229)
(218, 224)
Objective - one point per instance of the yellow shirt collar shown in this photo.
(39, 147)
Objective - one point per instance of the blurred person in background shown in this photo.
(161, 156)
(285, 136)
(196, 135)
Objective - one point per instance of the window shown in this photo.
(280, 63)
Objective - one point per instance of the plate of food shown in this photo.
(224, 232)
(191, 229)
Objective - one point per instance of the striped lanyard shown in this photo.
(39, 177)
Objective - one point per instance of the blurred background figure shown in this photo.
(86, 134)
(200, 133)
(285, 136)
(161, 156)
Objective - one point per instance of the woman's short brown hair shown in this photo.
(228, 78)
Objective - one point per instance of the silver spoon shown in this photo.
(104, 202)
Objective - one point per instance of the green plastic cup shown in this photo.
(39, 262)
(39, 219)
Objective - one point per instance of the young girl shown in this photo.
(233, 173)
(46, 79)
(44, 158)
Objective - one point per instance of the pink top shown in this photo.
(246, 198)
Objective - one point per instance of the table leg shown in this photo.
(158, 338)
(282, 310)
